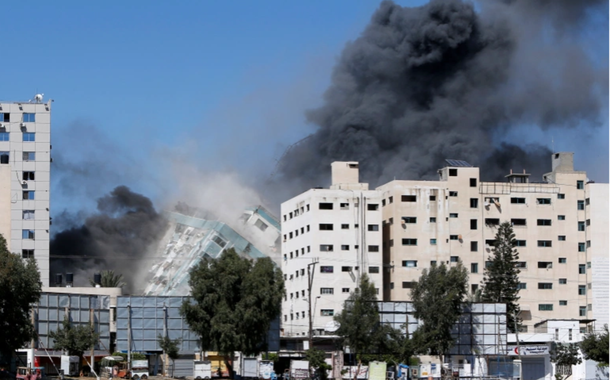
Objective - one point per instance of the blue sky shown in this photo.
(133, 80)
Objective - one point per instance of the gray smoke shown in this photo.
(447, 81)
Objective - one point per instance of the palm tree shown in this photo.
(109, 279)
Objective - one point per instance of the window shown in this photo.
(409, 219)
(433, 241)
(580, 205)
(372, 207)
(473, 182)
(4, 136)
(452, 172)
(490, 242)
(29, 136)
(581, 247)
(545, 307)
(582, 311)
(432, 198)
(453, 193)
(345, 226)
(487, 264)
(261, 225)
(432, 220)
(580, 185)
(563, 260)
(587, 201)
(561, 217)
(326, 227)
(588, 243)
(373, 248)
(543, 222)
(308, 248)
(409, 241)
(474, 268)
(473, 224)
(383, 202)
(520, 243)
(563, 281)
(327, 312)
(408, 198)
(522, 286)
(453, 215)
(4, 157)
(588, 222)
(582, 290)
(344, 206)
(545, 264)
(346, 269)
(409, 263)
(454, 237)
(5, 117)
(325, 206)
(519, 222)
(28, 195)
(344, 290)
(327, 269)
(27, 234)
(474, 202)
(581, 226)
(474, 246)
(561, 196)
(545, 285)
(517, 200)
(373, 227)
(474, 288)
(326, 247)
(561, 237)
(391, 199)
(29, 117)
(27, 253)
(373, 270)
(492, 222)
(28, 214)
(345, 247)
(521, 265)
(408, 284)
(454, 259)
(432, 263)
(327, 291)
(582, 269)
(543, 201)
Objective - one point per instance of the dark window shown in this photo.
(562, 260)
(453, 237)
(473, 224)
(453, 172)
(345, 247)
(545, 265)
(517, 200)
(453, 215)
(432, 198)
(408, 284)
(454, 259)
(522, 286)
(545, 307)
(580, 205)
(561, 217)
(563, 303)
(582, 290)
(383, 202)
(372, 207)
(545, 285)
(27, 234)
(473, 182)
(581, 226)
(28, 195)
(561, 196)
(409, 241)
(581, 247)
(543, 201)
(474, 268)
(520, 243)
(563, 281)
(5, 117)
(326, 247)
(474, 202)
(432, 219)
(344, 206)
(325, 206)
(582, 269)
(29, 156)
(373, 269)
(326, 227)
(492, 222)
(327, 290)
(474, 288)
(433, 241)
(391, 199)
(518, 222)
(408, 198)
(474, 246)
(345, 290)
(326, 269)
(409, 219)
(373, 248)
(4, 157)
(327, 312)
(453, 193)
(27, 253)
(409, 263)
(345, 226)
(346, 269)
(582, 311)
(580, 185)
(521, 264)
(545, 243)
(543, 222)
(490, 242)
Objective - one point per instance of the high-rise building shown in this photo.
(330, 237)
(25, 165)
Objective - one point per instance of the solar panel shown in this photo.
(458, 163)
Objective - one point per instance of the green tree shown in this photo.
(233, 302)
(74, 339)
(170, 348)
(595, 347)
(437, 300)
(316, 361)
(564, 356)
(501, 277)
(20, 287)
(109, 279)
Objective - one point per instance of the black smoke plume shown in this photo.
(446, 80)
(118, 237)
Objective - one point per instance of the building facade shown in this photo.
(330, 237)
(25, 165)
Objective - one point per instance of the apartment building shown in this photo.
(25, 163)
(558, 224)
(330, 237)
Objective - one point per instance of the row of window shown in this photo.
(330, 227)
(474, 245)
(582, 310)
(296, 212)
(295, 253)
(26, 136)
(26, 117)
(331, 269)
(290, 235)
(323, 313)
(474, 267)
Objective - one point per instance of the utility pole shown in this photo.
(518, 348)
(310, 274)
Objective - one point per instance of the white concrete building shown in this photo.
(25, 165)
(560, 225)
(332, 236)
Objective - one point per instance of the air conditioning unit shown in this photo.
(24, 183)
(22, 125)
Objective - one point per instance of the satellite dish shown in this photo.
(38, 98)
(332, 326)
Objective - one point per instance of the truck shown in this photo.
(202, 369)
(139, 369)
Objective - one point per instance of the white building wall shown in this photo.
(598, 253)
(18, 128)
